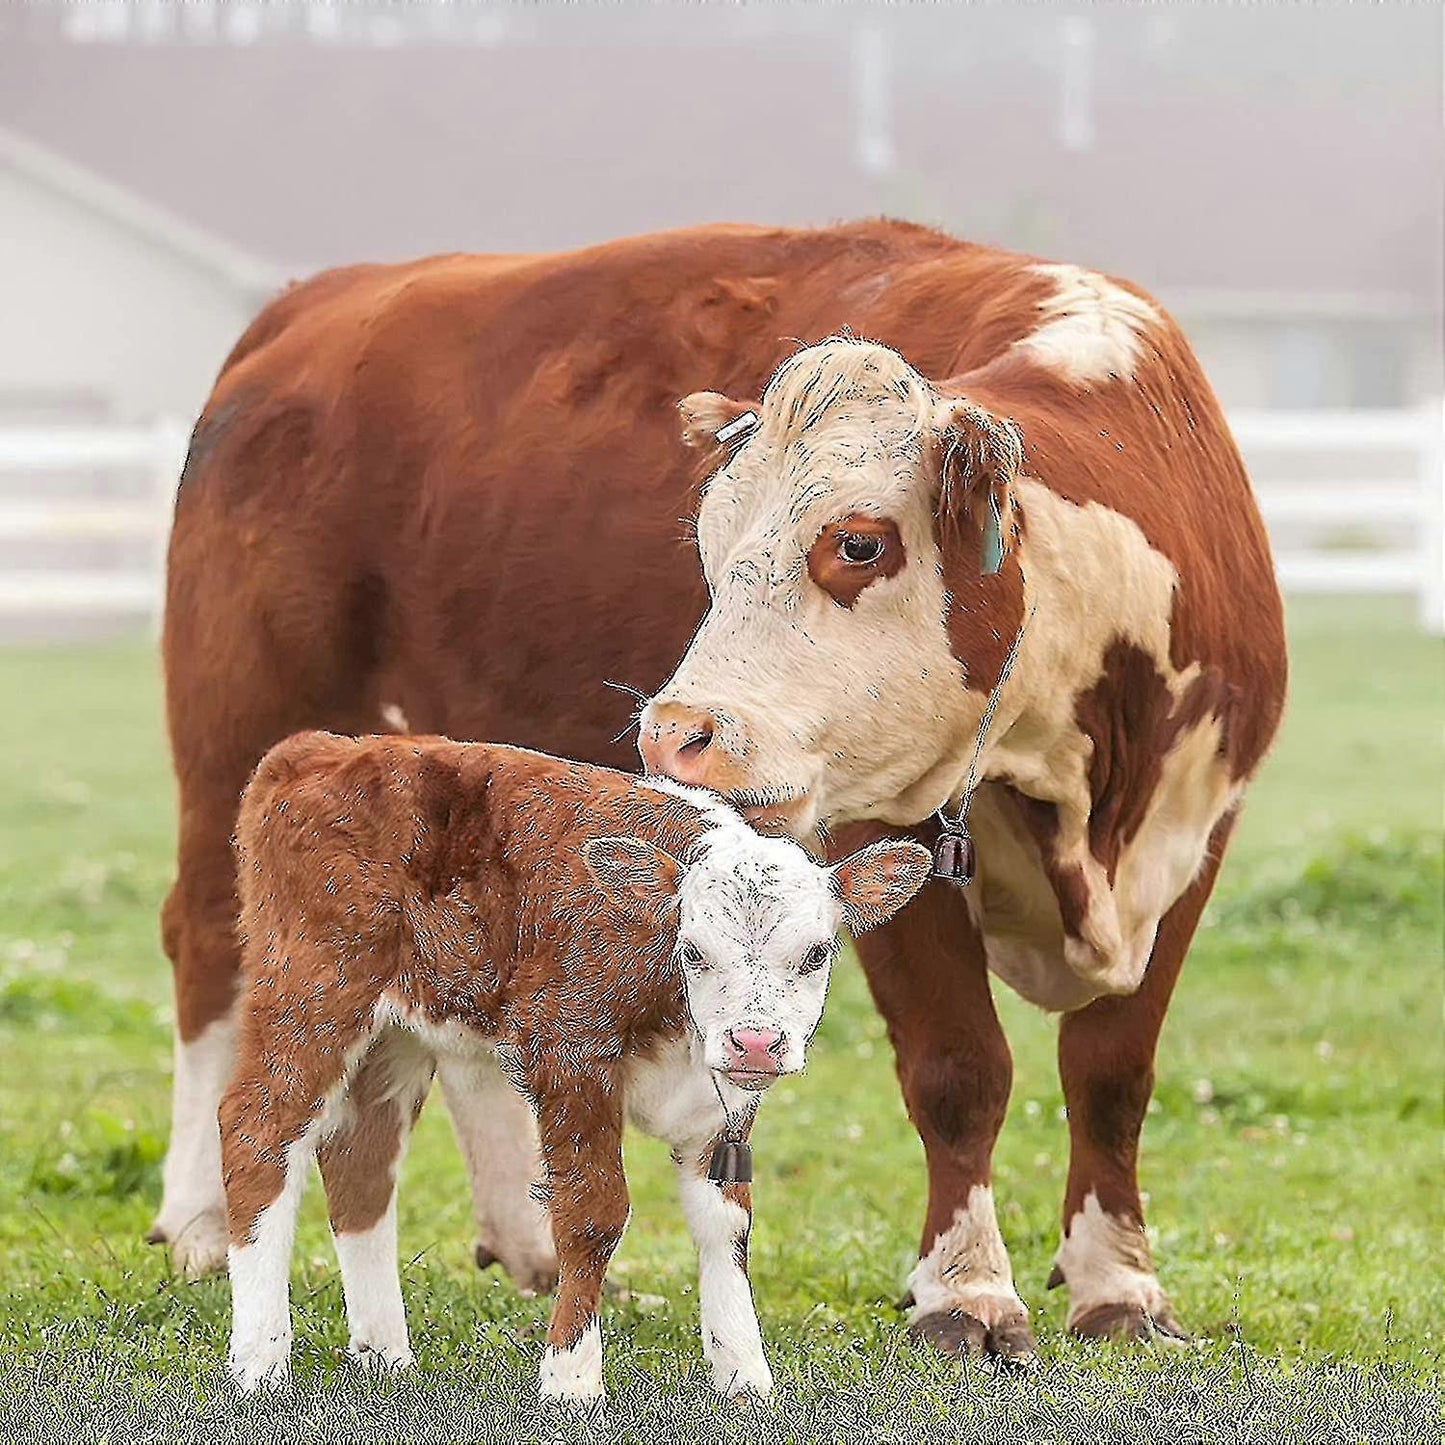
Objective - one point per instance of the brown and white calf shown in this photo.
(627, 949)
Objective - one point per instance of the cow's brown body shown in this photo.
(451, 494)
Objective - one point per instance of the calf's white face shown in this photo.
(757, 923)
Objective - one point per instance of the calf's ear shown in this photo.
(981, 455)
(633, 873)
(876, 881)
(706, 413)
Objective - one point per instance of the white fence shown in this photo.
(1361, 509)
(57, 493)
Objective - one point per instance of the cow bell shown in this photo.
(953, 859)
(732, 1162)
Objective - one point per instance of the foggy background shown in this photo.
(1273, 174)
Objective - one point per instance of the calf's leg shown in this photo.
(498, 1138)
(580, 1124)
(1106, 1063)
(268, 1129)
(359, 1159)
(929, 979)
(719, 1217)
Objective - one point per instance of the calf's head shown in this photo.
(756, 932)
(821, 686)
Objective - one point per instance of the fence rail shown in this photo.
(1367, 517)
(1347, 529)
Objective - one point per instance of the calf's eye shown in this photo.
(859, 551)
(815, 958)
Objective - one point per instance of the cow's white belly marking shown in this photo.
(1078, 554)
(1015, 907)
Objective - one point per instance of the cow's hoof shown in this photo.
(1008, 1343)
(1130, 1323)
(198, 1247)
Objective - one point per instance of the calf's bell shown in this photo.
(732, 1163)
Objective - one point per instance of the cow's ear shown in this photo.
(710, 420)
(981, 455)
(634, 874)
(875, 882)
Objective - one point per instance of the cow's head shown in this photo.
(757, 929)
(821, 686)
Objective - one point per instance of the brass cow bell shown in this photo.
(953, 859)
(732, 1162)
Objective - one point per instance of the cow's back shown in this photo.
(450, 495)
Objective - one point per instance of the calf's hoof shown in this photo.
(736, 1379)
(1005, 1343)
(1129, 1323)
(380, 1359)
(198, 1246)
(266, 1366)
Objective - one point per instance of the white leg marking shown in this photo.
(731, 1339)
(968, 1268)
(574, 1374)
(1106, 1261)
(371, 1283)
(498, 1138)
(260, 1292)
(192, 1215)
(394, 718)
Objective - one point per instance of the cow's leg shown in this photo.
(359, 1161)
(498, 1138)
(580, 1124)
(719, 1217)
(1106, 1063)
(928, 976)
(198, 927)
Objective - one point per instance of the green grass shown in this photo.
(1293, 1156)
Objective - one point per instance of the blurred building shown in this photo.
(1271, 172)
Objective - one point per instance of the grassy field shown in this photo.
(1293, 1157)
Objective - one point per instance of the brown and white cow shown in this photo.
(446, 496)
(846, 542)
(629, 949)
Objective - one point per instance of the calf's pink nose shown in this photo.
(754, 1051)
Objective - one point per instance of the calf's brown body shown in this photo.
(441, 885)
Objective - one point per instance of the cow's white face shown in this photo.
(757, 930)
(821, 686)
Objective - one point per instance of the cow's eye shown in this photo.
(859, 550)
(691, 955)
(816, 957)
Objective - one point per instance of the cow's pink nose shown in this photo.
(754, 1051)
(677, 741)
